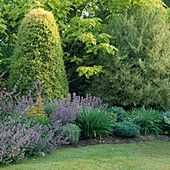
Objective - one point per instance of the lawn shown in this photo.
(150, 155)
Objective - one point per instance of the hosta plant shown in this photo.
(166, 116)
(150, 120)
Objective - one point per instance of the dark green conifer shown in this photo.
(139, 73)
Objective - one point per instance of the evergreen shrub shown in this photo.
(138, 74)
(38, 55)
(126, 129)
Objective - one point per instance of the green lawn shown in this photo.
(154, 155)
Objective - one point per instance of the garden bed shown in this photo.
(118, 140)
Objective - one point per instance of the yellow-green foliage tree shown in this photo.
(38, 55)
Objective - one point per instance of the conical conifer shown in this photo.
(38, 55)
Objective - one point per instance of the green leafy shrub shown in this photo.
(71, 130)
(38, 55)
(126, 129)
(94, 123)
(138, 74)
(119, 111)
(150, 120)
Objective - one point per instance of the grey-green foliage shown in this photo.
(38, 55)
(71, 130)
(139, 73)
(126, 129)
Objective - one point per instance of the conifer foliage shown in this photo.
(138, 74)
(38, 55)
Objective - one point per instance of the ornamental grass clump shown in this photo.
(94, 123)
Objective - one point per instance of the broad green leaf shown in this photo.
(76, 60)
(109, 49)
(52, 4)
(3, 26)
(43, 1)
(89, 51)
(93, 41)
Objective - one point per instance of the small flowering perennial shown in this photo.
(67, 109)
(28, 127)
(20, 139)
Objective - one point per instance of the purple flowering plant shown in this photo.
(29, 123)
(22, 136)
(67, 109)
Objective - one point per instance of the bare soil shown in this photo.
(118, 140)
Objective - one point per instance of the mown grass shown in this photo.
(153, 155)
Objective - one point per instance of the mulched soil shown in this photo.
(117, 140)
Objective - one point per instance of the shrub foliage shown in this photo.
(138, 74)
(119, 111)
(38, 55)
(126, 129)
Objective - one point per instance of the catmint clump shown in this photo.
(20, 139)
(67, 109)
